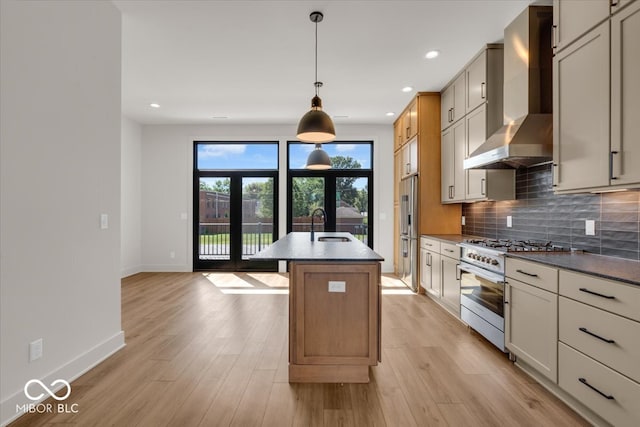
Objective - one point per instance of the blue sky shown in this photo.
(359, 152)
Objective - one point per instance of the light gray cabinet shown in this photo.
(410, 158)
(450, 279)
(596, 106)
(453, 102)
(430, 266)
(573, 18)
(452, 158)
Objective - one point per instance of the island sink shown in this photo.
(333, 239)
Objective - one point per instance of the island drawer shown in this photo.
(533, 273)
(615, 297)
(612, 396)
(612, 340)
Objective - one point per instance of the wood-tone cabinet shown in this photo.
(449, 261)
(453, 152)
(430, 267)
(334, 336)
(531, 315)
(453, 102)
(410, 120)
(398, 133)
(422, 155)
(596, 100)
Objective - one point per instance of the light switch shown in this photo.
(464, 220)
(104, 221)
(337, 286)
(183, 216)
(509, 221)
(590, 227)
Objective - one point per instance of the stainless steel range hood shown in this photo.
(527, 136)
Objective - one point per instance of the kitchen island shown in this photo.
(334, 306)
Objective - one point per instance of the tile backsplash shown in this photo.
(539, 214)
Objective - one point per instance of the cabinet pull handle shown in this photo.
(483, 186)
(457, 271)
(597, 294)
(527, 274)
(483, 95)
(614, 3)
(584, 381)
(554, 31)
(588, 332)
(449, 250)
(611, 174)
(554, 175)
(430, 261)
(451, 191)
(407, 168)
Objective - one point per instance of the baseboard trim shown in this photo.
(69, 371)
(130, 271)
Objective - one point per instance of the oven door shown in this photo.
(479, 287)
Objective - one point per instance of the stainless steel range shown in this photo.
(482, 282)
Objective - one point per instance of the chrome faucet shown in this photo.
(324, 219)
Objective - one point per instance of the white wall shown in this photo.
(130, 209)
(60, 169)
(167, 177)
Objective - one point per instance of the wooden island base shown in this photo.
(334, 321)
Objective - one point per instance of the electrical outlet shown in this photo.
(590, 227)
(35, 350)
(172, 254)
(104, 221)
(337, 286)
(509, 221)
(464, 220)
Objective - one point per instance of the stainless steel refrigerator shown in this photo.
(409, 232)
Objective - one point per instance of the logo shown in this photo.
(47, 389)
(41, 408)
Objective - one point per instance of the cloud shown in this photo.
(220, 150)
(345, 147)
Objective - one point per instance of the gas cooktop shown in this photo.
(517, 245)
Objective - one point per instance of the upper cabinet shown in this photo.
(573, 18)
(453, 102)
(596, 105)
(410, 121)
(482, 116)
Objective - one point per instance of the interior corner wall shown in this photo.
(167, 177)
(60, 112)
(130, 209)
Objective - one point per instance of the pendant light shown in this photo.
(316, 126)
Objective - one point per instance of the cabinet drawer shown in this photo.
(450, 250)
(616, 297)
(533, 273)
(579, 325)
(578, 372)
(430, 244)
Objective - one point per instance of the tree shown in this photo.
(263, 193)
(344, 186)
(307, 194)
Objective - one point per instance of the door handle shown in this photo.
(482, 90)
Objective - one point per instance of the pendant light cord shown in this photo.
(316, 81)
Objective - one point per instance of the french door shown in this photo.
(235, 211)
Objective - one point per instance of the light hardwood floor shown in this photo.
(209, 349)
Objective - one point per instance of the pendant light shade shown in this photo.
(318, 159)
(316, 125)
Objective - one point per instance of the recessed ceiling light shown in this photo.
(432, 54)
(390, 113)
(407, 89)
(154, 105)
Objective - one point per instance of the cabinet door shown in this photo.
(398, 135)
(573, 18)
(477, 82)
(446, 106)
(581, 112)
(625, 96)
(397, 176)
(450, 284)
(476, 135)
(460, 147)
(396, 239)
(413, 156)
(430, 272)
(411, 121)
(459, 98)
(531, 326)
(447, 159)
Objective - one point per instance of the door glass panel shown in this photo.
(257, 214)
(352, 203)
(214, 218)
(307, 194)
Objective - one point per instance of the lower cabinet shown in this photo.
(430, 272)
(531, 326)
(450, 283)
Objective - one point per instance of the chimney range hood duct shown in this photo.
(526, 138)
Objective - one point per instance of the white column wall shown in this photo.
(60, 66)
(167, 176)
(131, 200)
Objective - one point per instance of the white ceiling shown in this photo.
(253, 61)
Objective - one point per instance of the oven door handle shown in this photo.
(487, 275)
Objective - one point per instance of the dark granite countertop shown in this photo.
(450, 238)
(299, 247)
(624, 270)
